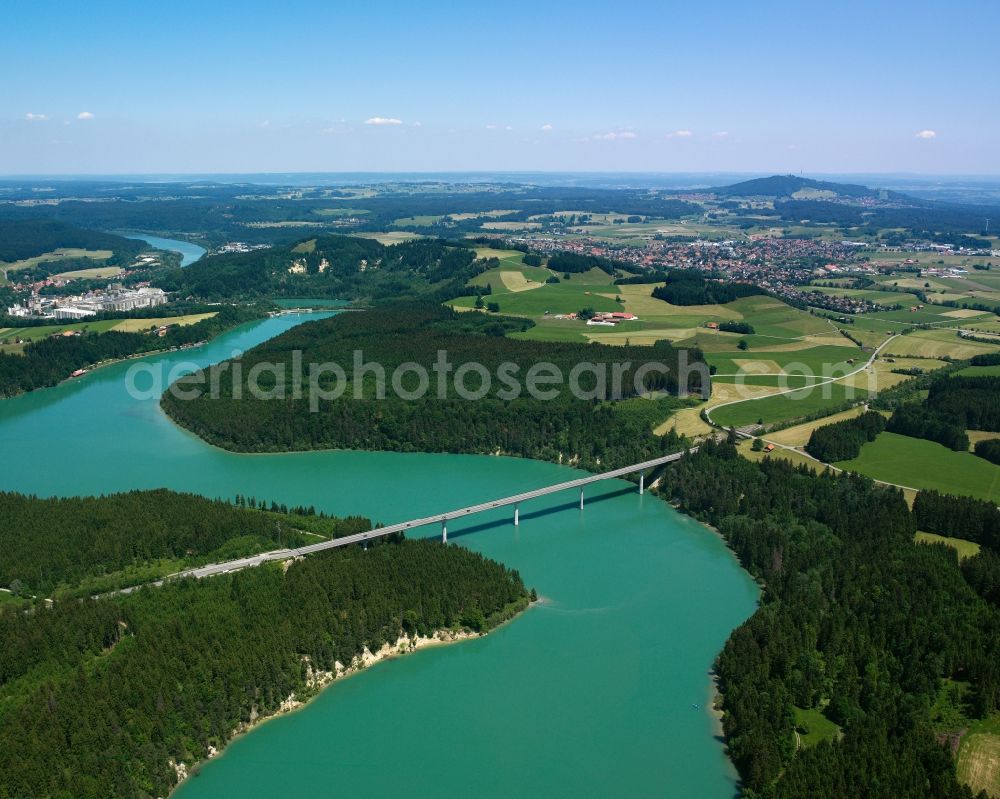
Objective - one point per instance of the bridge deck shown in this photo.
(437, 518)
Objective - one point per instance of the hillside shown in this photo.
(345, 267)
(29, 238)
(329, 411)
(789, 185)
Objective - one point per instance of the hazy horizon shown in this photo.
(196, 88)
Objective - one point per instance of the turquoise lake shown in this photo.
(602, 690)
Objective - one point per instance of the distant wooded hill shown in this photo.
(346, 267)
(788, 185)
(26, 238)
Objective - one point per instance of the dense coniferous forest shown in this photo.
(595, 432)
(842, 441)
(961, 517)
(98, 696)
(855, 621)
(689, 287)
(26, 238)
(989, 449)
(973, 400)
(47, 543)
(50, 360)
(344, 267)
(920, 421)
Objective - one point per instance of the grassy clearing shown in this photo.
(390, 237)
(305, 246)
(965, 549)
(786, 407)
(975, 436)
(972, 371)
(798, 436)
(138, 325)
(924, 464)
(814, 727)
(794, 456)
(938, 344)
(97, 273)
(61, 254)
(979, 756)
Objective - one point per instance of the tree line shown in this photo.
(842, 441)
(100, 695)
(855, 621)
(48, 361)
(53, 542)
(594, 433)
(689, 287)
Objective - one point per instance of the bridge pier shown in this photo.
(581, 498)
(516, 516)
(444, 531)
(642, 482)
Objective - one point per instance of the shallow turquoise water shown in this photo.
(600, 691)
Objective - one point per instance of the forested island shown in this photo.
(600, 432)
(118, 696)
(888, 640)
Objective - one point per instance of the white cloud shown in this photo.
(418, 124)
(85, 115)
(383, 121)
(721, 134)
(546, 126)
(264, 124)
(683, 134)
(491, 127)
(35, 117)
(615, 135)
(508, 127)
(927, 134)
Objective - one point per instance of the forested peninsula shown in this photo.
(119, 696)
(595, 432)
(894, 643)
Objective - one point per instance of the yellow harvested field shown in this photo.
(808, 342)
(975, 436)
(391, 237)
(798, 436)
(639, 300)
(515, 281)
(511, 225)
(138, 325)
(484, 214)
(61, 254)
(751, 366)
(962, 313)
(687, 422)
(97, 273)
(492, 252)
(640, 337)
(305, 246)
(979, 763)
(780, 453)
(873, 379)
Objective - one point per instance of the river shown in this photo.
(601, 690)
(188, 252)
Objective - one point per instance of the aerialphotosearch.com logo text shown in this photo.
(411, 381)
(328, 381)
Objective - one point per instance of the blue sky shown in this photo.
(105, 87)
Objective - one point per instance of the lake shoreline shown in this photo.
(319, 681)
